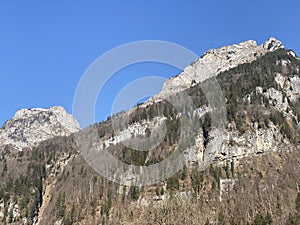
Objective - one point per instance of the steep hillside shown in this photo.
(252, 178)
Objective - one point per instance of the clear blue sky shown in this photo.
(45, 46)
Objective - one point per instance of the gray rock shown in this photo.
(215, 61)
(31, 126)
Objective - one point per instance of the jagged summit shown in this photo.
(28, 127)
(272, 44)
(215, 61)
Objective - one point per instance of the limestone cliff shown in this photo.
(29, 127)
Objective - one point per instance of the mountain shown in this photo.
(29, 127)
(251, 178)
(216, 61)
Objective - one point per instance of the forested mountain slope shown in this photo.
(253, 178)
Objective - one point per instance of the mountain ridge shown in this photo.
(215, 61)
(253, 178)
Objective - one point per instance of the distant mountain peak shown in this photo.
(28, 127)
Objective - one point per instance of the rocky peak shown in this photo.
(28, 127)
(216, 61)
(272, 44)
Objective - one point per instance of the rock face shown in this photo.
(235, 146)
(30, 126)
(238, 180)
(272, 44)
(216, 61)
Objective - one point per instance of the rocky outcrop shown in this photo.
(290, 85)
(251, 143)
(272, 44)
(215, 61)
(31, 126)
